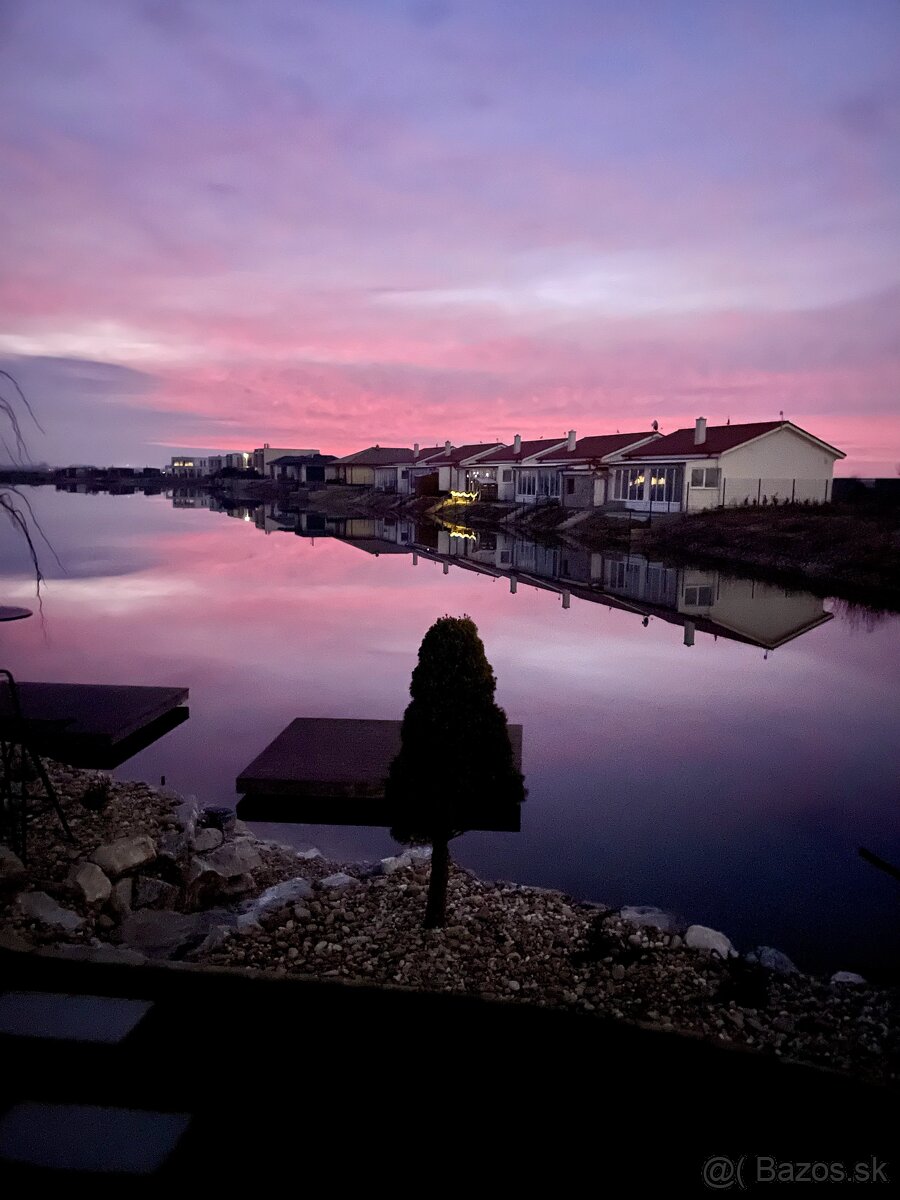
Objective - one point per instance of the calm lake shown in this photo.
(704, 744)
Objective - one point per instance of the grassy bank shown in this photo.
(848, 551)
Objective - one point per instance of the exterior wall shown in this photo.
(786, 464)
(506, 487)
(264, 455)
(577, 491)
(759, 611)
(351, 473)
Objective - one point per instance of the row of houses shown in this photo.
(688, 470)
(704, 466)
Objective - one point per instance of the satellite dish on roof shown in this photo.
(655, 426)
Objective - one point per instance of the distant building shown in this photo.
(376, 467)
(302, 469)
(266, 454)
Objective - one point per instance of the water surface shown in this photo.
(712, 746)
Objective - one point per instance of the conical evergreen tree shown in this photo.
(455, 754)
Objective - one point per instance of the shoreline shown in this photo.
(150, 882)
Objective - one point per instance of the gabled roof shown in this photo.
(589, 449)
(378, 456)
(428, 453)
(508, 454)
(719, 440)
(459, 454)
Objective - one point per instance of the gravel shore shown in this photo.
(150, 880)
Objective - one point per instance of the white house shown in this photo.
(769, 462)
(459, 469)
(518, 476)
(265, 454)
(583, 465)
(411, 474)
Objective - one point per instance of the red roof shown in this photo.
(588, 448)
(458, 453)
(379, 456)
(508, 454)
(718, 439)
(428, 452)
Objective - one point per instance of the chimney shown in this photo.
(517, 444)
(416, 450)
(447, 446)
(700, 431)
(570, 441)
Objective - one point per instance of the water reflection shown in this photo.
(702, 601)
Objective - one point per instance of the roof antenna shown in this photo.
(781, 413)
(654, 425)
(728, 421)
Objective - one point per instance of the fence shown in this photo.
(748, 492)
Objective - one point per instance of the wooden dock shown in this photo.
(324, 771)
(93, 725)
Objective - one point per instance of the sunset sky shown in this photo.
(336, 223)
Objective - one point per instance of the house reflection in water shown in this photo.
(702, 601)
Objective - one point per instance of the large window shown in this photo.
(628, 483)
(705, 477)
(698, 597)
(665, 485)
(538, 483)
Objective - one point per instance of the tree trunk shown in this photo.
(436, 908)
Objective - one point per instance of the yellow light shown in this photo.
(463, 497)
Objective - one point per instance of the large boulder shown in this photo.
(206, 840)
(848, 977)
(700, 937)
(121, 896)
(126, 854)
(38, 906)
(339, 882)
(154, 893)
(90, 881)
(234, 858)
(12, 870)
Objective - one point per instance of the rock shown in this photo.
(301, 913)
(213, 940)
(238, 885)
(339, 882)
(418, 855)
(310, 854)
(164, 934)
(12, 870)
(236, 858)
(172, 846)
(154, 893)
(10, 940)
(202, 884)
(512, 985)
(126, 854)
(241, 829)
(618, 971)
(278, 896)
(647, 915)
(121, 896)
(396, 862)
(849, 977)
(218, 817)
(100, 954)
(772, 960)
(38, 906)
(94, 886)
(700, 937)
(208, 839)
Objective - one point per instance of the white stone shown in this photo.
(126, 854)
(309, 854)
(277, 896)
(700, 937)
(772, 960)
(235, 858)
(94, 886)
(396, 862)
(647, 915)
(847, 977)
(339, 882)
(38, 906)
(419, 854)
